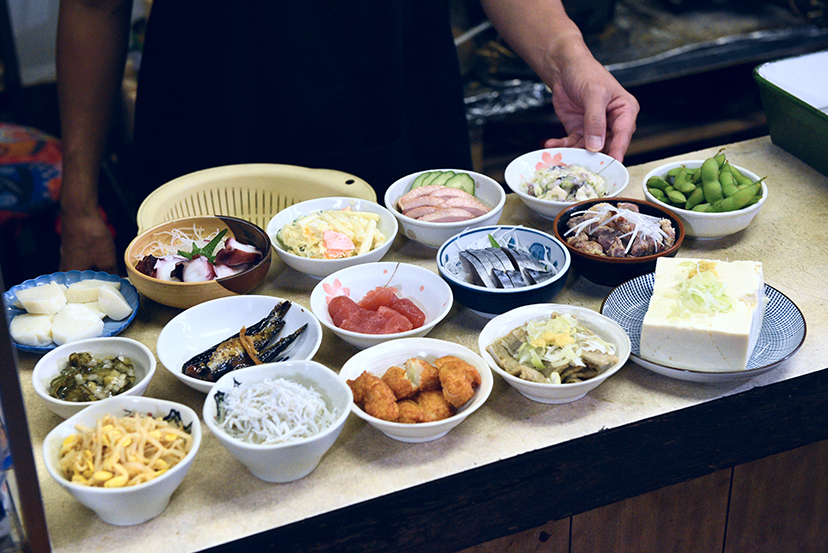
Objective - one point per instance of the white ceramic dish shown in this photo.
(523, 169)
(708, 225)
(50, 365)
(555, 393)
(488, 302)
(425, 288)
(134, 504)
(783, 331)
(111, 328)
(293, 460)
(206, 324)
(432, 234)
(318, 268)
(380, 358)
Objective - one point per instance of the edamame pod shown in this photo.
(677, 197)
(682, 184)
(726, 180)
(695, 198)
(656, 182)
(738, 200)
(710, 180)
(740, 178)
(658, 194)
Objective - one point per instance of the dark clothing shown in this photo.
(371, 88)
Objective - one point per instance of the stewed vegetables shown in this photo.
(716, 186)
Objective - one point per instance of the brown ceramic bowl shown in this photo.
(612, 271)
(187, 294)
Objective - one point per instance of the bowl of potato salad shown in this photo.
(321, 236)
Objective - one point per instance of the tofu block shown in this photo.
(46, 299)
(716, 332)
(31, 329)
(85, 291)
(113, 304)
(75, 321)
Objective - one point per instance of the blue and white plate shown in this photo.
(111, 328)
(782, 334)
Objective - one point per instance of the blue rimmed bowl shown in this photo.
(489, 302)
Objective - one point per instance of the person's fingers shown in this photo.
(571, 141)
(595, 120)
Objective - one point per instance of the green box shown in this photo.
(794, 93)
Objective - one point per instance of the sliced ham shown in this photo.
(448, 215)
(440, 204)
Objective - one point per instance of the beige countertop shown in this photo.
(220, 501)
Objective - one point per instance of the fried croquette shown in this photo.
(434, 405)
(411, 412)
(397, 379)
(458, 379)
(374, 396)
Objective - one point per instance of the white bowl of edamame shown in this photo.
(710, 224)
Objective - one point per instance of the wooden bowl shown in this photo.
(187, 294)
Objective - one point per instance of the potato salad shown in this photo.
(566, 183)
(332, 234)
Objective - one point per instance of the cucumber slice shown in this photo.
(442, 177)
(418, 182)
(463, 181)
(430, 177)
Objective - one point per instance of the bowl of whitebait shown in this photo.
(278, 419)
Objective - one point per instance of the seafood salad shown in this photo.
(499, 261)
(251, 346)
(191, 256)
(564, 183)
(554, 350)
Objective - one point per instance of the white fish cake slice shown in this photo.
(113, 303)
(46, 299)
(75, 321)
(31, 329)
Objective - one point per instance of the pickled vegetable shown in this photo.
(88, 378)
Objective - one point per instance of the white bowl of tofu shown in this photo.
(59, 308)
(68, 383)
(582, 347)
(432, 206)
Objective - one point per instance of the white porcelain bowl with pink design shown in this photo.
(423, 287)
(524, 168)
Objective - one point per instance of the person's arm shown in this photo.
(596, 111)
(92, 41)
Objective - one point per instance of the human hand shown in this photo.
(596, 111)
(86, 243)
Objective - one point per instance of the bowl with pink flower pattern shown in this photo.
(550, 180)
(368, 314)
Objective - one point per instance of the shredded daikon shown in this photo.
(171, 241)
(272, 411)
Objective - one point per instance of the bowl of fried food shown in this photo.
(550, 180)
(554, 353)
(321, 236)
(86, 455)
(712, 197)
(612, 241)
(73, 376)
(203, 343)
(371, 303)
(279, 419)
(417, 389)
(432, 206)
(184, 262)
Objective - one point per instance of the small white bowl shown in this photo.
(318, 268)
(522, 169)
(206, 324)
(432, 234)
(294, 460)
(50, 365)
(488, 302)
(555, 393)
(704, 225)
(133, 504)
(380, 358)
(425, 288)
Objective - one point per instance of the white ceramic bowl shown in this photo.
(318, 268)
(380, 358)
(133, 504)
(555, 393)
(523, 169)
(489, 302)
(425, 288)
(708, 225)
(50, 365)
(288, 461)
(206, 324)
(432, 234)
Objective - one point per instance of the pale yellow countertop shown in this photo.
(219, 501)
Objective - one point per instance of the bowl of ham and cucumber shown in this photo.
(432, 206)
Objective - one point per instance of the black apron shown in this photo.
(371, 88)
